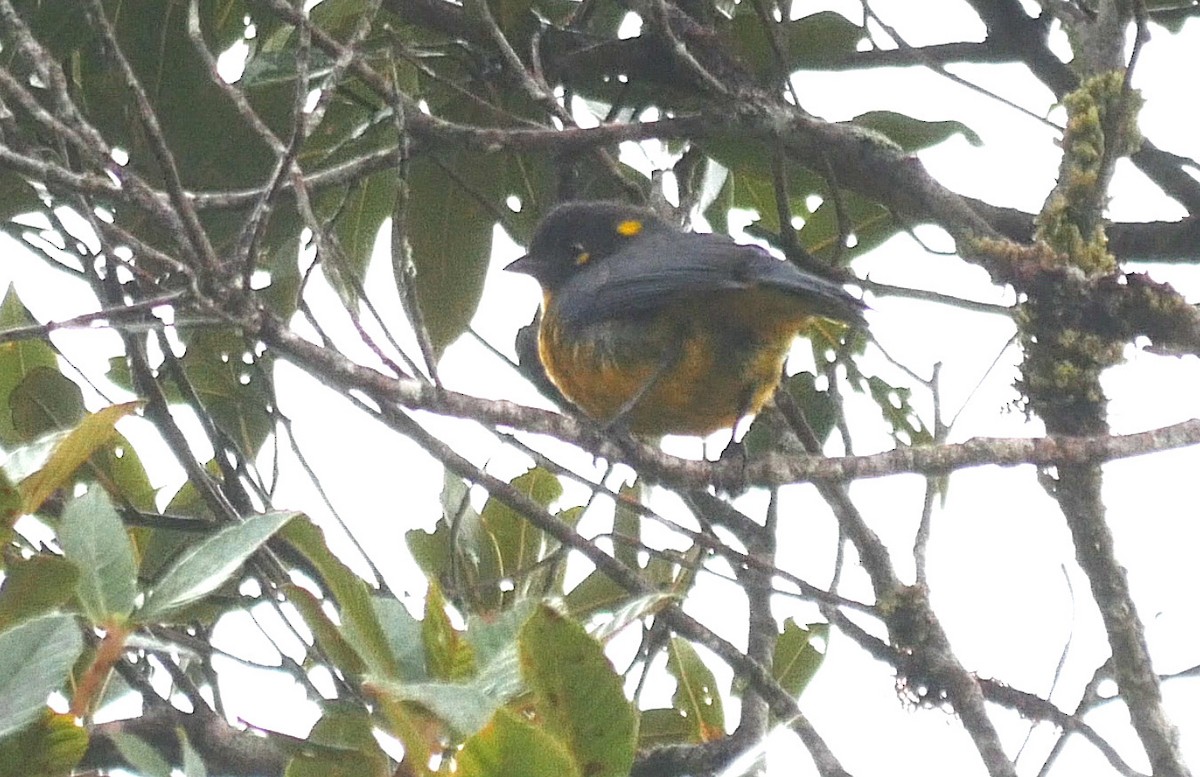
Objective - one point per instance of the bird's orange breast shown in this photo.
(723, 357)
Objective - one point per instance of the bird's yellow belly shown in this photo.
(697, 384)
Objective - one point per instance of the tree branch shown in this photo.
(227, 750)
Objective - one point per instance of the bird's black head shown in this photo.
(576, 234)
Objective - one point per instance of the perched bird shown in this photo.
(660, 331)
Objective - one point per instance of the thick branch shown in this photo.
(340, 372)
(225, 750)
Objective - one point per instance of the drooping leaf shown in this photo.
(340, 745)
(403, 634)
(360, 216)
(811, 42)
(359, 624)
(462, 706)
(513, 548)
(664, 726)
(325, 632)
(912, 134)
(696, 694)
(52, 745)
(510, 745)
(208, 564)
(232, 382)
(17, 359)
(193, 764)
(36, 657)
(35, 586)
(44, 401)
(450, 235)
(141, 755)
(70, 451)
(447, 653)
(578, 694)
(797, 656)
(94, 540)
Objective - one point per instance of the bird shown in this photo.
(656, 330)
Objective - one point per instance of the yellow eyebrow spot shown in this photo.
(629, 228)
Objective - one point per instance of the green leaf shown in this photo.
(208, 564)
(70, 451)
(53, 745)
(664, 727)
(869, 223)
(211, 143)
(634, 611)
(325, 631)
(193, 764)
(447, 653)
(818, 406)
(627, 526)
(796, 657)
(500, 678)
(508, 13)
(514, 547)
(820, 38)
(267, 68)
(450, 234)
(10, 506)
(141, 755)
(595, 593)
(17, 359)
(233, 384)
(282, 294)
(362, 213)
(751, 180)
(811, 42)
(127, 480)
(696, 694)
(36, 657)
(340, 745)
(35, 586)
(895, 403)
(463, 706)
(509, 746)
(578, 694)
(94, 539)
(403, 634)
(433, 550)
(914, 134)
(16, 196)
(1173, 22)
(359, 624)
(490, 636)
(44, 401)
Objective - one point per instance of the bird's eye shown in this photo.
(580, 253)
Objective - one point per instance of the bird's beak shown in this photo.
(526, 264)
